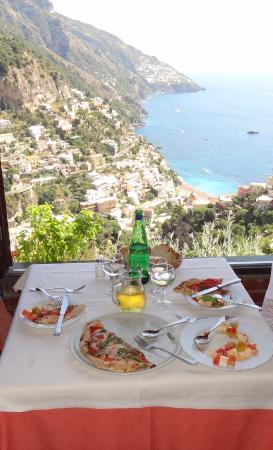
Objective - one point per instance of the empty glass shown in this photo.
(155, 290)
(162, 275)
(112, 267)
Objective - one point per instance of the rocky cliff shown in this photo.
(26, 79)
(90, 58)
(36, 85)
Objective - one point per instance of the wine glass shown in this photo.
(162, 275)
(112, 267)
(155, 290)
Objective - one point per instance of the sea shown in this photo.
(204, 135)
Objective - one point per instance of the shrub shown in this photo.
(52, 239)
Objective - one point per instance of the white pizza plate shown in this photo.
(235, 294)
(127, 326)
(43, 325)
(262, 337)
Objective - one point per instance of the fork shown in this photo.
(234, 302)
(69, 290)
(143, 344)
(56, 299)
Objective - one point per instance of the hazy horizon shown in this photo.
(194, 37)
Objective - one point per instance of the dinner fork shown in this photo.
(234, 302)
(69, 290)
(56, 299)
(143, 344)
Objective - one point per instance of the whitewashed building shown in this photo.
(264, 202)
(36, 131)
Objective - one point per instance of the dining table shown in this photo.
(51, 399)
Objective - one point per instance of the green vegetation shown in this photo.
(240, 229)
(216, 242)
(58, 239)
(89, 129)
(12, 53)
(214, 231)
(223, 242)
(70, 237)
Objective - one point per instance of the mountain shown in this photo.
(27, 79)
(90, 58)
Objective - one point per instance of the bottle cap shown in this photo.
(139, 214)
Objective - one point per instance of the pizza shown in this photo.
(49, 314)
(237, 348)
(105, 350)
(194, 285)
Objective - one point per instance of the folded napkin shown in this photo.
(20, 283)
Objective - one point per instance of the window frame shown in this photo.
(5, 252)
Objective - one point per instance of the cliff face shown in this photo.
(27, 79)
(101, 61)
(36, 85)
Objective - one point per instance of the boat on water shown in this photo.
(204, 169)
(252, 132)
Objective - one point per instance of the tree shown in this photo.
(52, 239)
(74, 206)
(221, 242)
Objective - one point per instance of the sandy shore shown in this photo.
(187, 190)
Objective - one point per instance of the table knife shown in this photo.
(215, 288)
(59, 325)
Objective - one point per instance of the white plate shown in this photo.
(235, 293)
(208, 308)
(127, 326)
(43, 325)
(262, 337)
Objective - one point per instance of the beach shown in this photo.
(200, 196)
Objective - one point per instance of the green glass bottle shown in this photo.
(139, 248)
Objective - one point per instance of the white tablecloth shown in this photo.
(38, 370)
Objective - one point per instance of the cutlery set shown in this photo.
(216, 288)
(143, 344)
(221, 297)
(235, 302)
(62, 301)
(199, 340)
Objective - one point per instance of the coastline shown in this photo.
(185, 188)
(190, 141)
(188, 189)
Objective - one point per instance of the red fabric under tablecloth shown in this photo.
(151, 428)
(5, 321)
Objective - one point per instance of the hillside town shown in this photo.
(133, 172)
(130, 172)
(263, 193)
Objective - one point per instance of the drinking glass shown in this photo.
(162, 275)
(112, 267)
(155, 290)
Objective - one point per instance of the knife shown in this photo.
(59, 325)
(215, 288)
